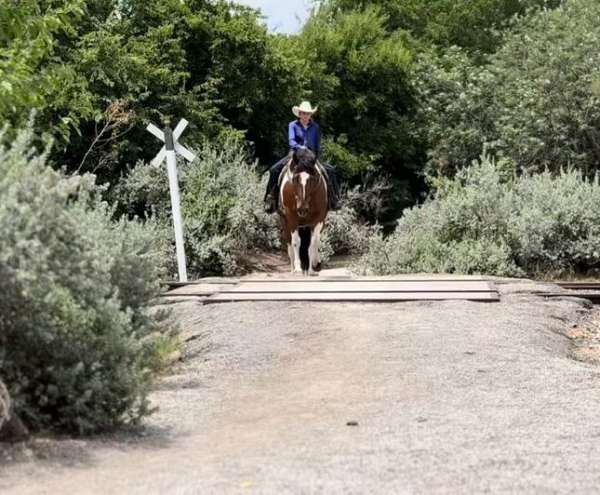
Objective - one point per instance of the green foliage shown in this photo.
(476, 25)
(211, 62)
(221, 205)
(222, 201)
(31, 71)
(76, 335)
(345, 234)
(488, 221)
(536, 101)
(360, 76)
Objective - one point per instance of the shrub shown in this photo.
(558, 223)
(222, 203)
(488, 221)
(345, 233)
(371, 200)
(222, 207)
(76, 335)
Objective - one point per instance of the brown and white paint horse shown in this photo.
(303, 208)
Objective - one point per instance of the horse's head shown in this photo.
(305, 179)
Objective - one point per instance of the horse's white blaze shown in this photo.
(303, 180)
(296, 251)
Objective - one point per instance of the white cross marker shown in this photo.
(169, 151)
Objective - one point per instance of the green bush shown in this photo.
(489, 221)
(345, 234)
(76, 335)
(222, 204)
(222, 207)
(535, 101)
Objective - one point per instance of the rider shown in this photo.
(302, 133)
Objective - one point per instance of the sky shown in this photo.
(282, 16)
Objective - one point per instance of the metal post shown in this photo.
(175, 203)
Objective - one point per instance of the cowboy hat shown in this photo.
(305, 106)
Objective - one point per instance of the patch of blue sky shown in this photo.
(282, 16)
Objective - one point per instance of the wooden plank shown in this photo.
(352, 296)
(343, 286)
(207, 281)
(319, 279)
(197, 289)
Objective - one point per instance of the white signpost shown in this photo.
(169, 151)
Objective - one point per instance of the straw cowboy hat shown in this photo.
(305, 106)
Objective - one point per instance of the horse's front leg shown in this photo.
(313, 250)
(288, 228)
(290, 251)
(295, 252)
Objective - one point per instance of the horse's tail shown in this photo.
(305, 237)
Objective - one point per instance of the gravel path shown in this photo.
(273, 398)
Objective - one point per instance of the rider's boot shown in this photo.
(270, 202)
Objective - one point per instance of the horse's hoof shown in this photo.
(317, 267)
(313, 273)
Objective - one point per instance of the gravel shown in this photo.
(436, 397)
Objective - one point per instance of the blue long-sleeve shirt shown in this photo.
(309, 137)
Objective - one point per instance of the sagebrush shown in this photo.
(489, 220)
(222, 207)
(76, 335)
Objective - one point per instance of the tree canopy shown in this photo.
(403, 86)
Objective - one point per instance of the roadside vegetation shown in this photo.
(79, 345)
(489, 220)
(465, 132)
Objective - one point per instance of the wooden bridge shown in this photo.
(329, 287)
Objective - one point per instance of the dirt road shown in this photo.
(452, 397)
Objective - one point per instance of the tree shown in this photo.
(210, 61)
(32, 74)
(360, 77)
(475, 25)
(536, 102)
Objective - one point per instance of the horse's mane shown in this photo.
(304, 159)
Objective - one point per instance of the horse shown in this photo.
(302, 209)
